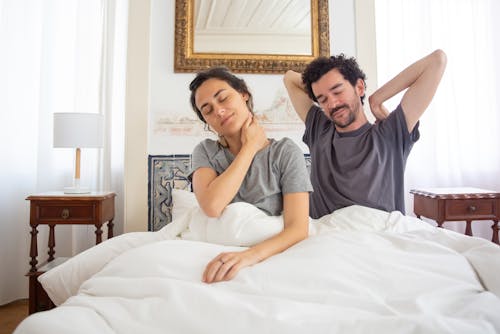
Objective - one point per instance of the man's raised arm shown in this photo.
(421, 80)
(296, 91)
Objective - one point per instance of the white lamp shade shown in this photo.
(78, 130)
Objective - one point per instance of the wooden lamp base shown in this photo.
(76, 189)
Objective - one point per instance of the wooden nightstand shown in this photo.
(458, 204)
(57, 208)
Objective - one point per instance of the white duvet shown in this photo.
(360, 271)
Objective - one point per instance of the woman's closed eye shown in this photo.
(207, 110)
(223, 99)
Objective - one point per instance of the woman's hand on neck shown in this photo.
(253, 135)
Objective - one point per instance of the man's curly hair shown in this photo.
(348, 67)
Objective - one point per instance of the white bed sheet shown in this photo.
(361, 271)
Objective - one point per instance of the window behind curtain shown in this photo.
(460, 130)
(57, 56)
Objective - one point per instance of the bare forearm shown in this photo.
(280, 242)
(297, 93)
(226, 265)
(219, 192)
(296, 226)
(421, 80)
(406, 78)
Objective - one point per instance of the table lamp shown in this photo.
(78, 130)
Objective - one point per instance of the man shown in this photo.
(353, 161)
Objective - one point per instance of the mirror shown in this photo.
(250, 36)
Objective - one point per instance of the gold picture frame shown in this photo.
(185, 60)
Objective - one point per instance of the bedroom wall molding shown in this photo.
(136, 116)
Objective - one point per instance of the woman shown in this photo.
(245, 166)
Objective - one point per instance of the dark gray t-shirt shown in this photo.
(277, 169)
(364, 167)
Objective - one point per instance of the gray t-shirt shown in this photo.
(277, 169)
(364, 167)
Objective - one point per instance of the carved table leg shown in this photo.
(110, 229)
(439, 223)
(495, 229)
(33, 248)
(98, 234)
(52, 242)
(468, 228)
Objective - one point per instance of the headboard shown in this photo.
(166, 172)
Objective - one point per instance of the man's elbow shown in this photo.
(440, 58)
(289, 78)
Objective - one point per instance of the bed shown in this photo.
(361, 271)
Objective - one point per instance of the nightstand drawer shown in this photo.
(470, 209)
(66, 212)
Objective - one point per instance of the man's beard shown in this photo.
(351, 116)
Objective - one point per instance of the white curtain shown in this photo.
(460, 131)
(57, 56)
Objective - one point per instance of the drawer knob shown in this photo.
(65, 214)
(472, 208)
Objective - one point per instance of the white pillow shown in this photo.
(182, 201)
